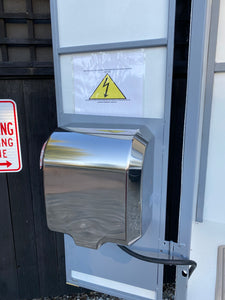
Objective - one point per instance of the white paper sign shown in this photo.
(109, 83)
(10, 154)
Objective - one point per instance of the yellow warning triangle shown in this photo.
(107, 89)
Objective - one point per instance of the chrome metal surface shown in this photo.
(220, 276)
(93, 185)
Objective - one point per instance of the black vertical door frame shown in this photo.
(180, 69)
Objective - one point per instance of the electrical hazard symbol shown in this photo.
(107, 89)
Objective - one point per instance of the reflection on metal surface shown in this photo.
(93, 185)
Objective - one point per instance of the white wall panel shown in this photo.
(154, 82)
(214, 209)
(220, 49)
(85, 22)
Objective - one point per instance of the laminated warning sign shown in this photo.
(109, 83)
(10, 153)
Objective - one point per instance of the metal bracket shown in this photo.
(173, 250)
(166, 250)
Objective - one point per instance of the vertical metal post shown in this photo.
(193, 119)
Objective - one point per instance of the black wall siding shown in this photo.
(32, 259)
(8, 269)
(32, 262)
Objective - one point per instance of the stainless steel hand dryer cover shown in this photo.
(92, 182)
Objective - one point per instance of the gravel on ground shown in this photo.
(168, 294)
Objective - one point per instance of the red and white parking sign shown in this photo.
(10, 153)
